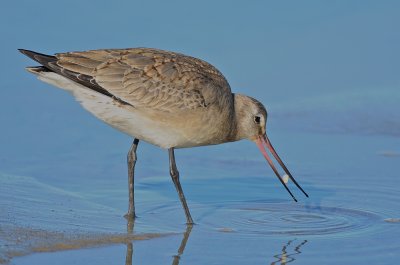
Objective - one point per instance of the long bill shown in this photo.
(264, 141)
(268, 144)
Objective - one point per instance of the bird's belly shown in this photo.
(123, 117)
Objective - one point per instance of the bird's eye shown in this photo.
(257, 119)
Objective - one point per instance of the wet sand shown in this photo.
(40, 218)
(18, 242)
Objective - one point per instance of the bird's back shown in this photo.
(181, 93)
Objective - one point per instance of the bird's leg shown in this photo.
(131, 159)
(175, 178)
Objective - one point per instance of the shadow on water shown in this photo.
(129, 246)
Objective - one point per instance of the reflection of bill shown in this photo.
(287, 257)
(175, 261)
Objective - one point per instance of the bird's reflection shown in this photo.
(129, 246)
(289, 250)
(183, 244)
(286, 256)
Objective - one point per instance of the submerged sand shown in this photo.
(36, 217)
(23, 241)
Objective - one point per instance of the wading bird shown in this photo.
(164, 98)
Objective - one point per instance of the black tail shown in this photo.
(43, 59)
(49, 63)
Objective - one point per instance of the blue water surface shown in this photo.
(328, 73)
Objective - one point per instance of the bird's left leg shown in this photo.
(175, 178)
(131, 159)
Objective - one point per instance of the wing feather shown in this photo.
(150, 78)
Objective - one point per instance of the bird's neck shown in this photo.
(237, 132)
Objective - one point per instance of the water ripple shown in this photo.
(286, 219)
(270, 218)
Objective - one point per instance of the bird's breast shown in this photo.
(182, 129)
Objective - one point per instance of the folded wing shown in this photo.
(149, 78)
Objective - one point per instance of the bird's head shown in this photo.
(251, 117)
(251, 120)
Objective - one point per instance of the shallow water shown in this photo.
(242, 213)
(328, 74)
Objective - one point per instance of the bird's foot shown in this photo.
(130, 216)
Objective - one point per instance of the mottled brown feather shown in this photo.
(151, 78)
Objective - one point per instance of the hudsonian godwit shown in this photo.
(164, 98)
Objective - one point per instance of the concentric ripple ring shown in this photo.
(292, 219)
